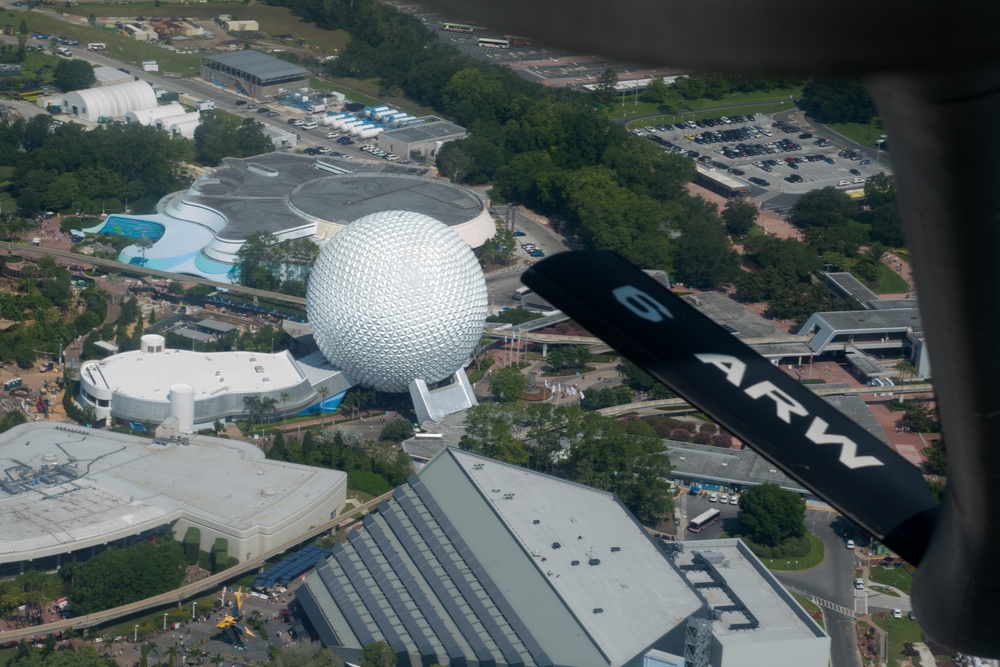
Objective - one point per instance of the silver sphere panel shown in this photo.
(394, 297)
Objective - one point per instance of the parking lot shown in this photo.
(772, 155)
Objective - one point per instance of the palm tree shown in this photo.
(267, 405)
(285, 397)
(324, 392)
(252, 404)
(172, 653)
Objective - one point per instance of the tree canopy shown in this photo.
(769, 515)
(64, 167)
(73, 74)
(221, 134)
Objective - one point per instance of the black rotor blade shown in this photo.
(802, 434)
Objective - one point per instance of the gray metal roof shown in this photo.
(711, 464)
(215, 325)
(734, 317)
(430, 130)
(897, 319)
(125, 485)
(848, 285)
(278, 192)
(254, 63)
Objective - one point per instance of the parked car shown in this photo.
(240, 103)
(897, 613)
(519, 233)
(734, 499)
(849, 544)
(855, 172)
(537, 253)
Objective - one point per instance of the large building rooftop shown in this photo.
(483, 562)
(150, 376)
(66, 488)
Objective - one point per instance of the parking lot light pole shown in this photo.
(135, 634)
(878, 149)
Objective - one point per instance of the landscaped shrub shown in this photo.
(703, 438)
(680, 435)
(723, 440)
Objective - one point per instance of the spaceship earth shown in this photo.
(396, 296)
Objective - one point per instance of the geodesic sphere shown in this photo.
(396, 296)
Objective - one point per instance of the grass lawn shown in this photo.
(862, 133)
(889, 282)
(897, 577)
(901, 630)
(741, 103)
(811, 608)
(884, 591)
(815, 556)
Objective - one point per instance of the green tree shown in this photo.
(604, 90)
(11, 419)
(221, 134)
(740, 215)
(769, 515)
(937, 458)
(656, 92)
(397, 431)
(73, 75)
(844, 100)
(378, 654)
(255, 261)
(507, 384)
(823, 208)
(562, 357)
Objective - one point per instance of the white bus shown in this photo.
(522, 292)
(704, 520)
(494, 43)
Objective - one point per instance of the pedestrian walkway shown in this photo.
(839, 608)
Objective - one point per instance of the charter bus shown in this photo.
(494, 43)
(457, 27)
(522, 292)
(704, 520)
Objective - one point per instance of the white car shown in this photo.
(856, 181)
(724, 499)
(332, 135)
(841, 184)
(850, 544)
(897, 613)
(734, 499)
(713, 498)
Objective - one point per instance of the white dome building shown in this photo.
(114, 101)
(397, 300)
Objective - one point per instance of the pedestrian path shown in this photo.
(839, 608)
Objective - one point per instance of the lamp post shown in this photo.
(165, 620)
(878, 149)
(135, 634)
(194, 606)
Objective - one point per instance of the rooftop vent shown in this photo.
(598, 610)
(615, 550)
(574, 562)
(49, 459)
(556, 545)
(536, 522)
(269, 492)
(594, 561)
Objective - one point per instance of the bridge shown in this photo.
(681, 405)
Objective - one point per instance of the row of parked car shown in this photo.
(378, 152)
(725, 499)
